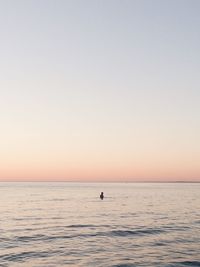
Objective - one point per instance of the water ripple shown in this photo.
(154, 225)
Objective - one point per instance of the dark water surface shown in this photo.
(66, 224)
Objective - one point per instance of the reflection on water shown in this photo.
(66, 224)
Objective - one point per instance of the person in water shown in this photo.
(101, 196)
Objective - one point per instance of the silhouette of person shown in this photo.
(101, 196)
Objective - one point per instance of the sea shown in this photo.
(67, 224)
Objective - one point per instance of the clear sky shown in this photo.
(100, 90)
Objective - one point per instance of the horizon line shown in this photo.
(61, 181)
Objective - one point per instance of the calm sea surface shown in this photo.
(66, 224)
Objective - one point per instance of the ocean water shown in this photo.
(66, 224)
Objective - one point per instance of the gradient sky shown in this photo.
(105, 90)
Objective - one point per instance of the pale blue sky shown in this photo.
(100, 83)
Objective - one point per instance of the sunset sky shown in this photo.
(100, 90)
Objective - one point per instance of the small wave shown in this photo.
(87, 226)
(56, 199)
(135, 232)
(186, 263)
(80, 226)
(125, 265)
(28, 218)
(31, 238)
(177, 228)
(90, 234)
(159, 244)
(28, 254)
(191, 263)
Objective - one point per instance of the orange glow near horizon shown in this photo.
(99, 173)
(92, 162)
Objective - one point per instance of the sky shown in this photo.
(99, 90)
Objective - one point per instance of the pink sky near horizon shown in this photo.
(99, 171)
